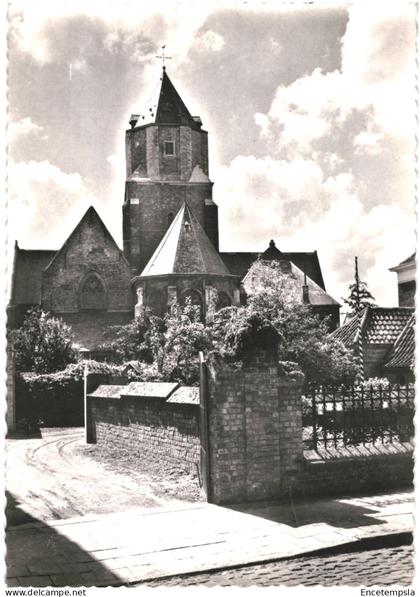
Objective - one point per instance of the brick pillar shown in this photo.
(255, 429)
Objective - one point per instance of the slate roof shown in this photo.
(380, 325)
(143, 389)
(166, 107)
(316, 294)
(239, 263)
(347, 333)
(27, 275)
(185, 395)
(108, 391)
(185, 249)
(403, 351)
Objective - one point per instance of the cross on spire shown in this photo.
(163, 57)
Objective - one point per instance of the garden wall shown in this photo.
(158, 422)
(255, 446)
(358, 474)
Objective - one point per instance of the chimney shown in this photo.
(133, 120)
(305, 287)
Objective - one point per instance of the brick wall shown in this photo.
(158, 433)
(255, 438)
(353, 475)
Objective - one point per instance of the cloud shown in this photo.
(340, 178)
(52, 200)
(24, 127)
(211, 41)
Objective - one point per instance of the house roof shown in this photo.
(165, 106)
(347, 332)
(185, 249)
(380, 325)
(403, 351)
(239, 263)
(407, 262)
(27, 275)
(316, 295)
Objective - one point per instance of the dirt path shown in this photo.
(52, 478)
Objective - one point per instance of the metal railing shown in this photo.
(336, 417)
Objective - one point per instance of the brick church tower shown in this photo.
(167, 166)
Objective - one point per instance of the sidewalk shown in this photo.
(146, 544)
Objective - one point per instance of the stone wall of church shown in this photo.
(148, 213)
(158, 294)
(89, 250)
(146, 156)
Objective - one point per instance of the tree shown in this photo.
(359, 296)
(185, 336)
(302, 338)
(43, 344)
(131, 341)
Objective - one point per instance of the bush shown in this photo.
(42, 344)
(56, 399)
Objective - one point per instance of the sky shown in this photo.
(310, 110)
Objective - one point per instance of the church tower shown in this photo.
(166, 166)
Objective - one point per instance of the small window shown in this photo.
(169, 148)
(170, 218)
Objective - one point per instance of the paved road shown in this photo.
(386, 566)
(49, 478)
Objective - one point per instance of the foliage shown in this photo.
(302, 337)
(358, 298)
(169, 346)
(130, 341)
(184, 337)
(43, 343)
(375, 383)
(56, 399)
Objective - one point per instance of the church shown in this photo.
(170, 240)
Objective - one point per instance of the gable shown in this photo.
(239, 263)
(90, 242)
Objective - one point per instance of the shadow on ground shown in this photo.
(59, 563)
(302, 511)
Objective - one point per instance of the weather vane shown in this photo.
(163, 57)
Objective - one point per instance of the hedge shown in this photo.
(56, 399)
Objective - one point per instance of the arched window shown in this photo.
(196, 299)
(223, 300)
(93, 292)
(157, 301)
(170, 218)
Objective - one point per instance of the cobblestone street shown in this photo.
(386, 566)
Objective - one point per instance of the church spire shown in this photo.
(171, 109)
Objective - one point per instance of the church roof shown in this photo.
(165, 107)
(316, 295)
(239, 263)
(185, 249)
(27, 275)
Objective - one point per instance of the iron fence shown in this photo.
(354, 415)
